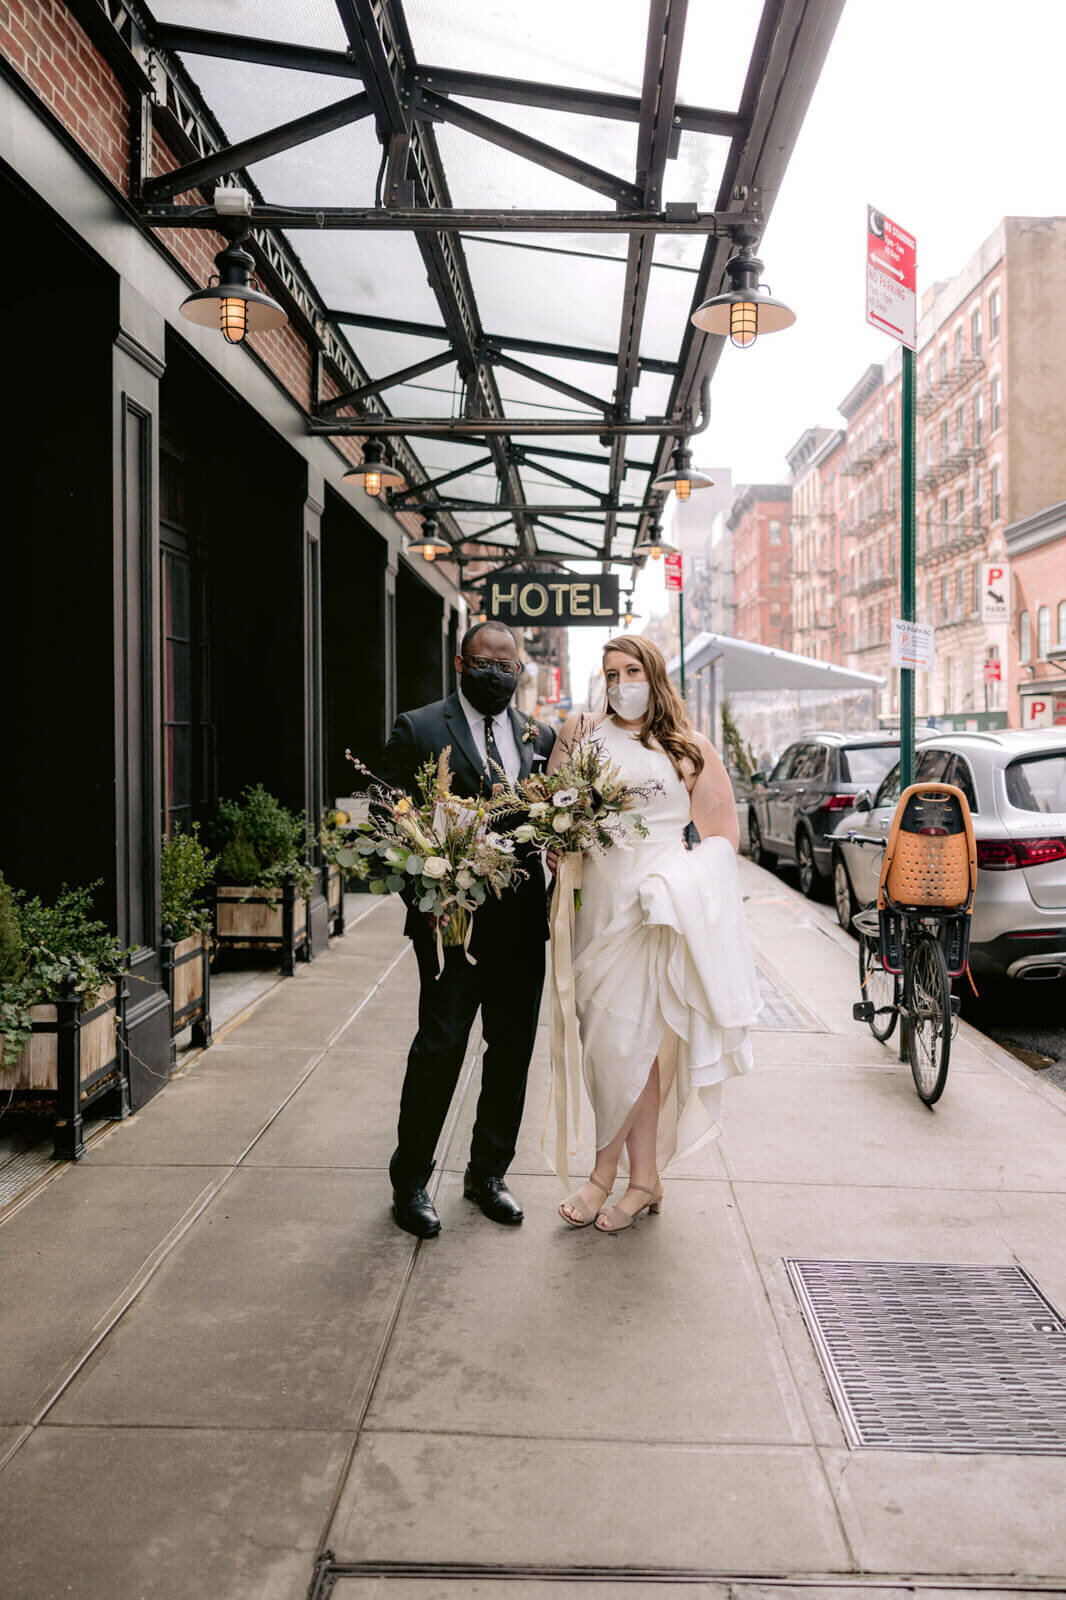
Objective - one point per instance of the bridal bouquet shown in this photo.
(439, 847)
(583, 805)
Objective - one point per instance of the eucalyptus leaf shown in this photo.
(394, 883)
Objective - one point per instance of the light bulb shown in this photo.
(655, 552)
(429, 552)
(233, 318)
(372, 480)
(683, 488)
(743, 323)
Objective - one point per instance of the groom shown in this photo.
(485, 733)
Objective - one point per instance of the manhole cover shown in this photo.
(936, 1356)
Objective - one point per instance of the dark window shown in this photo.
(931, 766)
(889, 791)
(811, 762)
(960, 775)
(866, 764)
(783, 769)
(1038, 783)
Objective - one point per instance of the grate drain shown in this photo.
(777, 1011)
(937, 1356)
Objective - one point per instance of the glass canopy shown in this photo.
(625, 121)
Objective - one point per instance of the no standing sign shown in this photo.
(891, 298)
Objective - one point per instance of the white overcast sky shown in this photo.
(945, 114)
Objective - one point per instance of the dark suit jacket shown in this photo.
(422, 734)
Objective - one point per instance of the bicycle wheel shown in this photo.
(881, 988)
(927, 1002)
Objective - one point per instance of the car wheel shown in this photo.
(843, 893)
(761, 857)
(810, 878)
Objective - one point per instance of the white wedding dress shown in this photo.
(662, 966)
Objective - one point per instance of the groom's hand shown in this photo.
(553, 858)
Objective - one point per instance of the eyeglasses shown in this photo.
(513, 669)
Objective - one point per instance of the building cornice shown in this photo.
(867, 386)
(1043, 527)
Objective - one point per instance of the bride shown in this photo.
(664, 981)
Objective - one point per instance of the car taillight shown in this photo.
(839, 802)
(1036, 852)
(1004, 855)
(996, 855)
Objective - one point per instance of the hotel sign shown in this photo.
(552, 599)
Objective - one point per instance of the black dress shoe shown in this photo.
(494, 1198)
(415, 1213)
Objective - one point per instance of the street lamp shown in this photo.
(233, 301)
(375, 473)
(684, 477)
(745, 309)
(428, 544)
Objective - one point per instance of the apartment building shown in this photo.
(759, 522)
(818, 543)
(1036, 551)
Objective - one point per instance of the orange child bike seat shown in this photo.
(931, 856)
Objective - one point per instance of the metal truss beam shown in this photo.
(484, 428)
(520, 144)
(533, 451)
(398, 496)
(535, 347)
(584, 102)
(563, 478)
(290, 134)
(265, 52)
(416, 370)
(674, 219)
(662, 59)
(530, 510)
(381, 46)
(547, 381)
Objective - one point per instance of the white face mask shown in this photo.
(629, 700)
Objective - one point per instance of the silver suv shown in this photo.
(1016, 785)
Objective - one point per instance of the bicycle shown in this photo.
(918, 936)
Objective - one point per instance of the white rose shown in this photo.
(464, 878)
(525, 833)
(539, 808)
(434, 867)
(563, 822)
(565, 797)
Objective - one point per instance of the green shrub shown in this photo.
(259, 841)
(56, 943)
(185, 870)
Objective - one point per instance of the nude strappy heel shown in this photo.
(587, 1216)
(653, 1205)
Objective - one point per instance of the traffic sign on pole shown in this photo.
(672, 569)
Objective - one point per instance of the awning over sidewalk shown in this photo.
(756, 666)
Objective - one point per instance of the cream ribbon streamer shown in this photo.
(565, 1094)
(466, 945)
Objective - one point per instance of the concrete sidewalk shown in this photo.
(219, 1358)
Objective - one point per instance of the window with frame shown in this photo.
(993, 316)
(943, 438)
(958, 348)
(995, 494)
(775, 532)
(997, 401)
(978, 496)
(978, 418)
(975, 332)
(949, 682)
(944, 597)
(1025, 643)
(1043, 632)
(960, 502)
(960, 592)
(944, 361)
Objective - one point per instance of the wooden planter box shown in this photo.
(187, 979)
(74, 1057)
(333, 889)
(250, 918)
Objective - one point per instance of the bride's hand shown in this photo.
(553, 857)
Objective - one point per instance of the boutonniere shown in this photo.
(529, 732)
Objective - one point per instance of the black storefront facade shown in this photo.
(192, 598)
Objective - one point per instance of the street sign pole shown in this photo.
(681, 636)
(906, 565)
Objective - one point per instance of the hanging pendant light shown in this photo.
(629, 616)
(375, 472)
(653, 544)
(745, 309)
(684, 477)
(428, 544)
(233, 301)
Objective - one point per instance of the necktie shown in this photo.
(493, 760)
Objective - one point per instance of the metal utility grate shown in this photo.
(937, 1356)
(20, 1166)
(777, 1011)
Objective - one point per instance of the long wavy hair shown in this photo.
(666, 720)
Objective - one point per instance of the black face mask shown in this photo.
(489, 689)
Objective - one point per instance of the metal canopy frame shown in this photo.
(407, 99)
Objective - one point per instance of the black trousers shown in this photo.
(506, 985)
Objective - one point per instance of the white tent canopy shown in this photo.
(746, 666)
